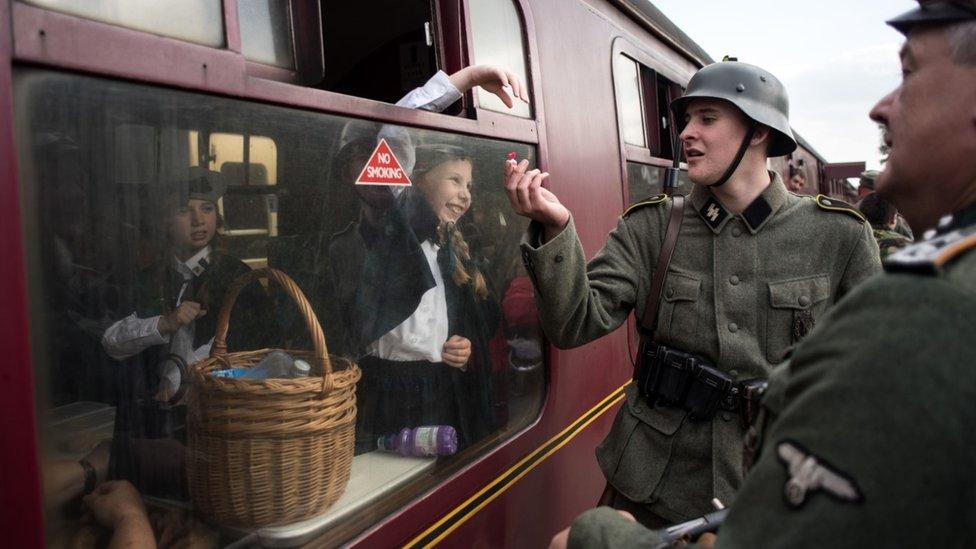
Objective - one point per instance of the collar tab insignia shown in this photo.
(713, 213)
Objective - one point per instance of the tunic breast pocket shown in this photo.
(794, 306)
(680, 310)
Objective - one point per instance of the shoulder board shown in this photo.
(652, 201)
(929, 256)
(834, 205)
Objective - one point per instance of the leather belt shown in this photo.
(673, 378)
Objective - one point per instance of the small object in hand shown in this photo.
(511, 155)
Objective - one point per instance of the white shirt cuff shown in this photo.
(435, 95)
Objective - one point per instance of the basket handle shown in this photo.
(321, 352)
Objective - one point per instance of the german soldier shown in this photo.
(863, 438)
(745, 283)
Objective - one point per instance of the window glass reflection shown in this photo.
(199, 21)
(266, 32)
(630, 110)
(644, 180)
(498, 40)
(140, 214)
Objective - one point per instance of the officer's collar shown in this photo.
(195, 266)
(957, 220)
(755, 216)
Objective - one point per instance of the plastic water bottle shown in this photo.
(426, 441)
(278, 365)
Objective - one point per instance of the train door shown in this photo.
(648, 138)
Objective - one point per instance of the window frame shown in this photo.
(49, 38)
(649, 67)
(531, 64)
(306, 43)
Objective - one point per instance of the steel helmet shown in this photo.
(935, 12)
(756, 92)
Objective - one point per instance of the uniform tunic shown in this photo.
(866, 436)
(737, 287)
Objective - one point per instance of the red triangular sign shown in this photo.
(383, 168)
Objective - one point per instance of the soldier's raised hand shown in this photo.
(528, 198)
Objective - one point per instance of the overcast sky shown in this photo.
(836, 58)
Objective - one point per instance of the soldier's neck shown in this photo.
(746, 184)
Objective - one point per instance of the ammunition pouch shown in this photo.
(672, 378)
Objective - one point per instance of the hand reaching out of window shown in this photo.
(496, 80)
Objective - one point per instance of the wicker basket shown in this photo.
(272, 451)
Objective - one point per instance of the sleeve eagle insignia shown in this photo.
(809, 473)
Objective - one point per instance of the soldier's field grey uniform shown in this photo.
(740, 290)
(737, 287)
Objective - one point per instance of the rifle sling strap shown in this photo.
(649, 321)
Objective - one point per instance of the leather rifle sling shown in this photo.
(649, 321)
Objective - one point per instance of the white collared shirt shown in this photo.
(423, 334)
(132, 335)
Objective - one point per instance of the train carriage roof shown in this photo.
(655, 21)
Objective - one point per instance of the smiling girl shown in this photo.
(419, 311)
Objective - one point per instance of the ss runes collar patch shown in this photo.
(809, 473)
(713, 213)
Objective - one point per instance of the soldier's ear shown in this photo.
(760, 136)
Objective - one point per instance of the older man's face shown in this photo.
(931, 121)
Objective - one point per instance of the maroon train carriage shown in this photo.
(104, 103)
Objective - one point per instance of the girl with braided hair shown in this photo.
(420, 315)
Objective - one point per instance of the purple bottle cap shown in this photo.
(447, 444)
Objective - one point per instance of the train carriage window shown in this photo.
(266, 33)
(644, 180)
(644, 117)
(198, 21)
(120, 211)
(643, 99)
(498, 39)
(630, 108)
(380, 49)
